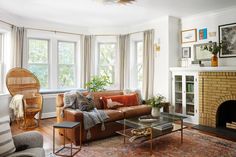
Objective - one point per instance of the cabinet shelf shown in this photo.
(190, 103)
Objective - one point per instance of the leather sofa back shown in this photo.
(97, 95)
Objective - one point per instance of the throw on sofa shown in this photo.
(119, 113)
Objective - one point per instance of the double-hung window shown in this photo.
(66, 64)
(38, 58)
(139, 63)
(107, 60)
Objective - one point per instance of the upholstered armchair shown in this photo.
(28, 144)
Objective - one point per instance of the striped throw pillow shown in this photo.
(6, 142)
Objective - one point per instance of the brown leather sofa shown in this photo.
(111, 126)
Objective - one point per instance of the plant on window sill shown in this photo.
(98, 83)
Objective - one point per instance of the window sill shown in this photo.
(56, 91)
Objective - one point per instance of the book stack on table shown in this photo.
(164, 126)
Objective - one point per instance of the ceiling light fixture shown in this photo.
(118, 1)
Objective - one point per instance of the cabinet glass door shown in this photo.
(178, 94)
(189, 95)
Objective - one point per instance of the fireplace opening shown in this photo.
(226, 115)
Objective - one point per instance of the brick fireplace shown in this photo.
(217, 97)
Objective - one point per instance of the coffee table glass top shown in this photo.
(164, 118)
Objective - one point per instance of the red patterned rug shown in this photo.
(195, 145)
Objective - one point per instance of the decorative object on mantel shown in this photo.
(203, 34)
(188, 36)
(214, 49)
(156, 102)
(186, 52)
(201, 55)
(197, 64)
(227, 34)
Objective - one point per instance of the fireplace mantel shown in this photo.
(205, 69)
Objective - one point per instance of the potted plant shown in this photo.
(156, 102)
(214, 48)
(98, 83)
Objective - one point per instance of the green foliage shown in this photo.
(156, 101)
(214, 48)
(98, 83)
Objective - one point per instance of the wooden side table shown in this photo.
(66, 125)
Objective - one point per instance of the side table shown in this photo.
(66, 125)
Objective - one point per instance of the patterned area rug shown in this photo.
(195, 145)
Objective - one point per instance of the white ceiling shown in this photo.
(91, 13)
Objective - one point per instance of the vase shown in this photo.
(214, 61)
(155, 112)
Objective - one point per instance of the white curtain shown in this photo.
(87, 59)
(124, 48)
(18, 42)
(148, 63)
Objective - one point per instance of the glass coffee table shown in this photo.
(152, 125)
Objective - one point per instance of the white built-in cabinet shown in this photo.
(185, 95)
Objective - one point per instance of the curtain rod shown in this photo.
(6, 23)
(69, 32)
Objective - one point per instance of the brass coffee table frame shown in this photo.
(64, 141)
(126, 132)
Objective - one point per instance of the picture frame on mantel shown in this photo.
(188, 36)
(227, 34)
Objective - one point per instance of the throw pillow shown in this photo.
(113, 104)
(70, 99)
(84, 103)
(6, 142)
(126, 100)
(137, 91)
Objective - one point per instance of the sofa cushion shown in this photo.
(126, 100)
(6, 141)
(114, 115)
(134, 111)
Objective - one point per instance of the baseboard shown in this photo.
(47, 115)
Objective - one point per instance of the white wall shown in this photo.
(211, 21)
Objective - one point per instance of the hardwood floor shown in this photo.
(46, 130)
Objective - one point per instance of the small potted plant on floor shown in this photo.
(156, 102)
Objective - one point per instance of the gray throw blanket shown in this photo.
(93, 118)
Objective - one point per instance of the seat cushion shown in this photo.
(35, 152)
(114, 115)
(134, 111)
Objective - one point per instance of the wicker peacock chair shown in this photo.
(22, 81)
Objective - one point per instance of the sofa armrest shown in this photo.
(31, 139)
(73, 115)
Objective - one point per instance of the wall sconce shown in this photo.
(157, 46)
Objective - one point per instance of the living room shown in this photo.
(127, 59)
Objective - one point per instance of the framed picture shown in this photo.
(227, 34)
(186, 52)
(203, 34)
(200, 54)
(188, 36)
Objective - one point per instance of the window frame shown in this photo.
(48, 60)
(114, 64)
(1, 61)
(75, 63)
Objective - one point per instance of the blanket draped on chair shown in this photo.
(16, 107)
